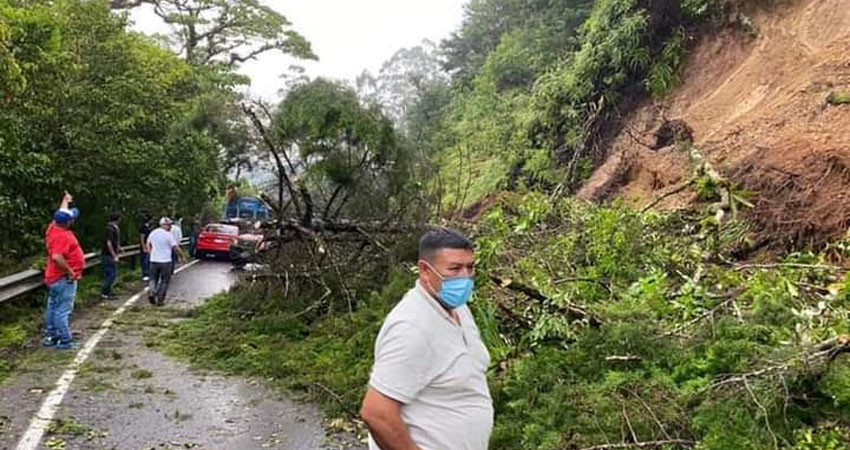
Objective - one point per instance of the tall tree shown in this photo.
(334, 157)
(402, 79)
(487, 21)
(227, 32)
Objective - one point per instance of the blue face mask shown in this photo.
(455, 291)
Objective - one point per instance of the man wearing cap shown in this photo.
(428, 387)
(65, 265)
(160, 245)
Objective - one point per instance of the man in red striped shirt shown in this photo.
(65, 264)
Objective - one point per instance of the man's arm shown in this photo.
(142, 244)
(112, 250)
(180, 252)
(382, 415)
(62, 263)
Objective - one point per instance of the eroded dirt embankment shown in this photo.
(758, 109)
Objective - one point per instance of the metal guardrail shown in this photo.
(30, 280)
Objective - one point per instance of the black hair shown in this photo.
(440, 239)
(115, 217)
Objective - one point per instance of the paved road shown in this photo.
(130, 396)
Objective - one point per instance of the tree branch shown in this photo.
(661, 198)
(274, 151)
(573, 312)
(827, 350)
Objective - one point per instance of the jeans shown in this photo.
(110, 272)
(146, 264)
(60, 304)
(160, 277)
(193, 244)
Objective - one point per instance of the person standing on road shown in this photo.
(428, 387)
(144, 233)
(195, 230)
(177, 232)
(65, 265)
(110, 256)
(161, 245)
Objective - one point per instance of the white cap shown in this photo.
(165, 221)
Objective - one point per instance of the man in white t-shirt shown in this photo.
(428, 388)
(161, 245)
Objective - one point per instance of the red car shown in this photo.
(215, 240)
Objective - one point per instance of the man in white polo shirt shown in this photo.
(160, 245)
(428, 388)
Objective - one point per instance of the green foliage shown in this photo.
(822, 439)
(836, 98)
(669, 339)
(836, 384)
(226, 32)
(352, 155)
(538, 82)
(642, 275)
(664, 73)
(622, 42)
(547, 27)
(697, 11)
(68, 426)
(102, 112)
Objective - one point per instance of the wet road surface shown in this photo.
(130, 396)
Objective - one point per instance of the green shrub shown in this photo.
(836, 98)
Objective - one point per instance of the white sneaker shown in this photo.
(146, 278)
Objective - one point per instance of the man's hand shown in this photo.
(382, 415)
(62, 263)
(67, 199)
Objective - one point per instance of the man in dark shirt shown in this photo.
(110, 255)
(145, 231)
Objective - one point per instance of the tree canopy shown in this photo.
(228, 32)
(105, 113)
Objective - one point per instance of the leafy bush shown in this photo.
(664, 343)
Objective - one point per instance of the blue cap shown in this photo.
(65, 216)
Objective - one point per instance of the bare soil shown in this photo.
(758, 109)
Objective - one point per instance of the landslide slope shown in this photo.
(756, 100)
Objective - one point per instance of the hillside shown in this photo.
(755, 98)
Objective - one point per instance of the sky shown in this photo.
(347, 35)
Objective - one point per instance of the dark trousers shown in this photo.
(110, 272)
(146, 264)
(160, 277)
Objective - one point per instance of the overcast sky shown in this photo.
(347, 35)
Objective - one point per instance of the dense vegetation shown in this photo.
(607, 326)
(99, 111)
(604, 324)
